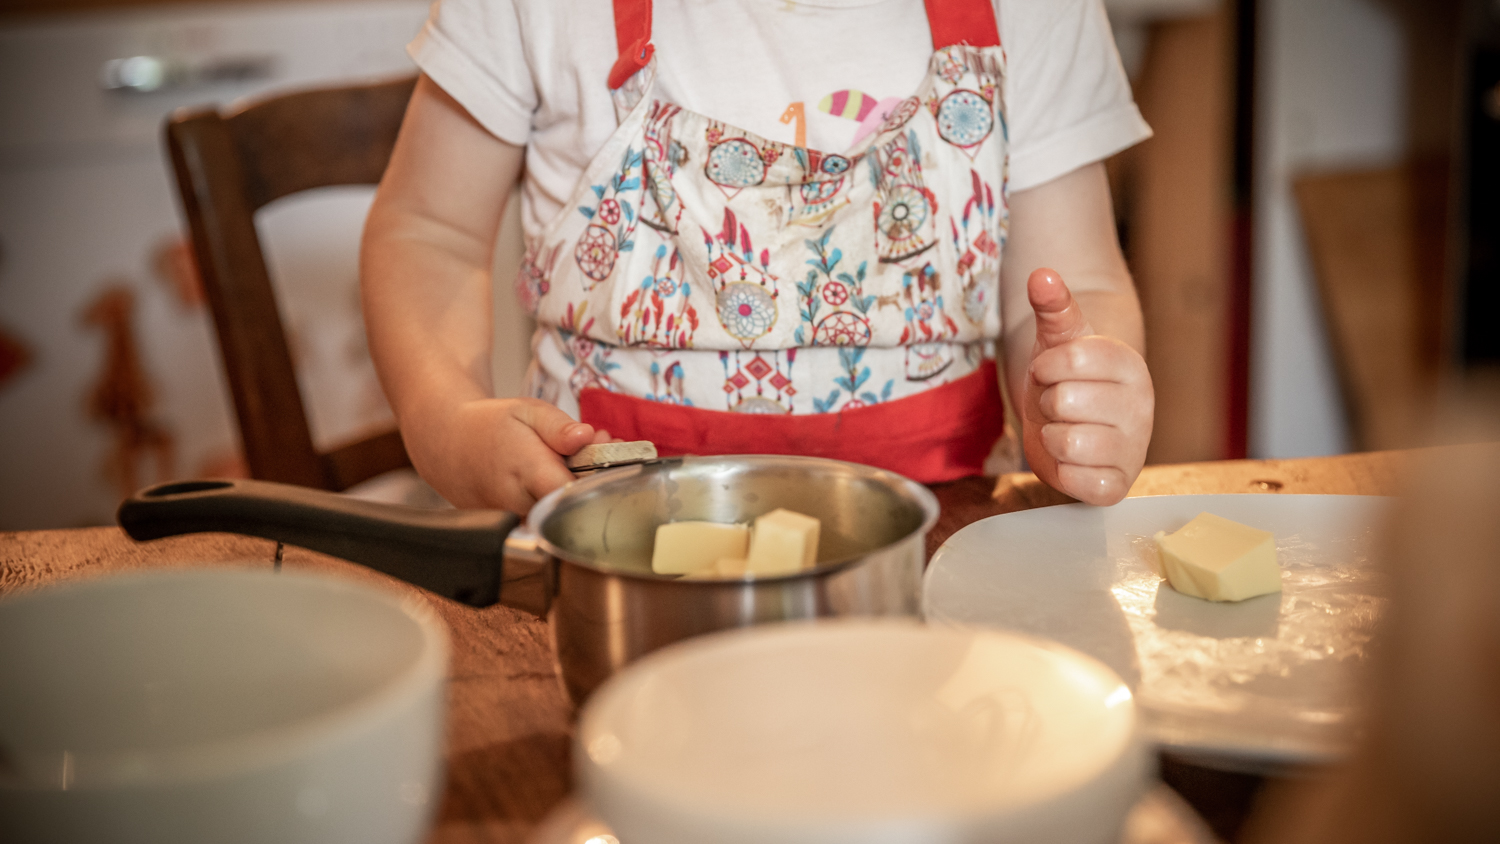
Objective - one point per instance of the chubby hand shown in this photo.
(1087, 414)
(498, 453)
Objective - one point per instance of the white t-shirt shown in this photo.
(533, 72)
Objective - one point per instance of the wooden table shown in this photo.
(509, 720)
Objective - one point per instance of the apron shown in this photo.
(716, 292)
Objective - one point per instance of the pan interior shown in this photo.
(610, 521)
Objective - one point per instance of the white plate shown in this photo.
(1255, 685)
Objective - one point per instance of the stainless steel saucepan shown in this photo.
(584, 555)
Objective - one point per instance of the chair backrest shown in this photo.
(228, 165)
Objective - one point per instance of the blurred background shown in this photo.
(1315, 229)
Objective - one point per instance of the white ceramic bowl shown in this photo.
(862, 732)
(224, 705)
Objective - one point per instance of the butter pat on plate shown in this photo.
(1216, 559)
(685, 547)
(783, 542)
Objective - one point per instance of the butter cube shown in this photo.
(730, 568)
(683, 547)
(783, 542)
(1216, 559)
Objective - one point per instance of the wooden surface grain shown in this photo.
(509, 720)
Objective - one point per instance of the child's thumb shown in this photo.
(1058, 317)
(556, 428)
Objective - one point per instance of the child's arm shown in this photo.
(425, 282)
(1083, 392)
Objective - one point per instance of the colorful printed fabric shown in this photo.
(705, 266)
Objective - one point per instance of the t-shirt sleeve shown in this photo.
(1068, 99)
(473, 50)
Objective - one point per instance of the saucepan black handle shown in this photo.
(453, 553)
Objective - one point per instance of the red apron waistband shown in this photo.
(941, 434)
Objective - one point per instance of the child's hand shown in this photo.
(498, 453)
(1088, 408)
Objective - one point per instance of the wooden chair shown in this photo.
(227, 166)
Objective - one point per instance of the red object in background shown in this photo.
(122, 397)
(173, 261)
(14, 356)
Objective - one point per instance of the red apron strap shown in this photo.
(633, 38)
(952, 22)
(941, 434)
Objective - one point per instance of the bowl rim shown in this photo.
(615, 693)
(257, 749)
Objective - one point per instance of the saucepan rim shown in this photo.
(920, 495)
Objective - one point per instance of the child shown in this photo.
(763, 226)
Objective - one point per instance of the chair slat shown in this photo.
(313, 139)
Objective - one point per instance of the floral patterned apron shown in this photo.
(716, 292)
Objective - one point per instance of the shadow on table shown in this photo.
(515, 781)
